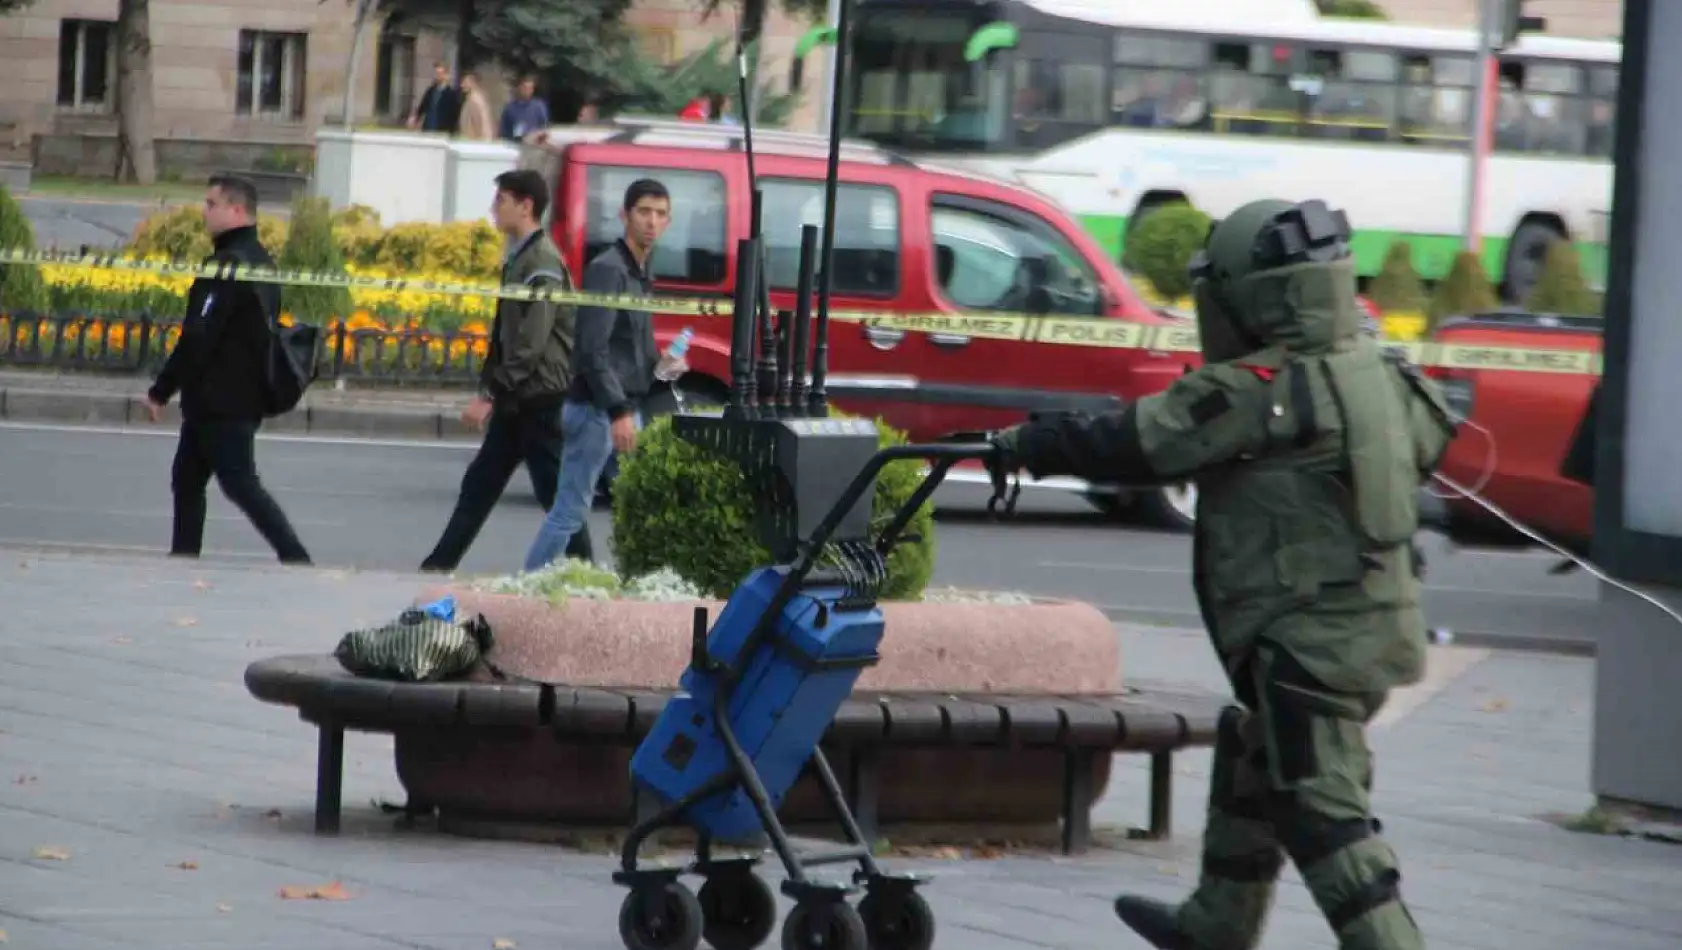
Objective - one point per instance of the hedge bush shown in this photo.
(681, 507)
(311, 246)
(1560, 288)
(179, 233)
(1397, 287)
(1465, 291)
(1162, 244)
(21, 286)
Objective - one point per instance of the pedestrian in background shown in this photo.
(524, 380)
(475, 122)
(525, 113)
(219, 366)
(616, 361)
(439, 108)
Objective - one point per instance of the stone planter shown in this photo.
(533, 777)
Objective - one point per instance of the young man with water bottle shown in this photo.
(616, 363)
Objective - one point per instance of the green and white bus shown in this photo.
(1113, 106)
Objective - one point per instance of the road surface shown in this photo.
(380, 505)
(68, 224)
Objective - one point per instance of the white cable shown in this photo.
(1488, 467)
(1516, 525)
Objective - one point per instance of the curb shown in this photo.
(71, 407)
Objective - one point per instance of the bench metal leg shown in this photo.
(1077, 799)
(864, 792)
(1162, 796)
(329, 777)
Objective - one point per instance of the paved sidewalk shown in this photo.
(149, 802)
(365, 411)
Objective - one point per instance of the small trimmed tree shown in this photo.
(1161, 246)
(1466, 290)
(1561, 288)
(311, 246)
(1397, 288)
(21, 287)
(679, 506)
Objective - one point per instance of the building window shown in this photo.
(394, 76)
(87, 64)
(271, 74)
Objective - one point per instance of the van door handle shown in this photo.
(949, 340)
(883, 338)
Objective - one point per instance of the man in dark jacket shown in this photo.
(524, 379)
(616, 360)
(220, 367)
(439, 108)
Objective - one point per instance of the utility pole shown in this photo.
(834, 17)
(1500, 22)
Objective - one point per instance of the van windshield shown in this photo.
(913, 89)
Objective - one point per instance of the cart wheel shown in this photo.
(738, 910)
(660, 917)
(898, 922)
(824, 926)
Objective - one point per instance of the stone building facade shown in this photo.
(239, 83)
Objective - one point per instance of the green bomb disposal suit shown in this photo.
(1308, 444)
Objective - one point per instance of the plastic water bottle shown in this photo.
(675, 351)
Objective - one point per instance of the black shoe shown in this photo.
(1153, 920)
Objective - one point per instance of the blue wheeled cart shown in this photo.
(763, 686)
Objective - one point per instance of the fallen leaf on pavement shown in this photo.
(317, 892)
(186, 621)
(25, 780)
(272, 814)
(224, 908)
(186, 865)
(1495, 705)
(51, 854)
(2, 936)
(201, 584)
(502, 943)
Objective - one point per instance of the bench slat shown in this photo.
(513, 704)
(591, 712)
(1032, 721)
(914, 721)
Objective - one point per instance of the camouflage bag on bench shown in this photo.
(424, 644)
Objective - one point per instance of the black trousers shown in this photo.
(532, 436)
(227, 450)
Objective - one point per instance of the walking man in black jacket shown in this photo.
(220, 368)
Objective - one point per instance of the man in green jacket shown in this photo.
(525, 378)
(1308, 444)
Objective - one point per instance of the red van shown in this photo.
(909, 237)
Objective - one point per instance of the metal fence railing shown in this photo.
(139, 343)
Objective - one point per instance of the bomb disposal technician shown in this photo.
(1308, 445)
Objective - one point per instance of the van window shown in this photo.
(988, 257)
(692, 251)
(866, 234)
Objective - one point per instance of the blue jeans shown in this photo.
(587, 444)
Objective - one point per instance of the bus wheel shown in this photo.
(1525, 254)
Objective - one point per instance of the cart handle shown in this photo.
(942, 457)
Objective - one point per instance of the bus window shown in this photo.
(1250, 89)
(1540, 109)
(692, 250)
(1008, 260)
(1159, 83)
(1061, 88)
(1436, 100)
(912, 87)
(866, 234)
(1602, 110)
(1355, 97)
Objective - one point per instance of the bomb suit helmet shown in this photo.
(1275, 273)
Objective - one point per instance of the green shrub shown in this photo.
(21, 287)
(1561, 288)
(469, 249)
(1465, 291)
(681, 507)
(1162, 244)
(1397, 288)
(310, 246)
(179, 233)
(1353, 9)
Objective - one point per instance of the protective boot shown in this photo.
(1157, 922)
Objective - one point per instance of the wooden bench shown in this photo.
(1084, 727)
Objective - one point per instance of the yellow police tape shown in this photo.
(1090, 332)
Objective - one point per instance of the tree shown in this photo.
(137, 158)
(1352, 9)
(1464, 292)
(1560, 288)
(579, 44)
(1397, 288)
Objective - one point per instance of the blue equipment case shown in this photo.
(789, 693)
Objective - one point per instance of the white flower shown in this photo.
(575, 578)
